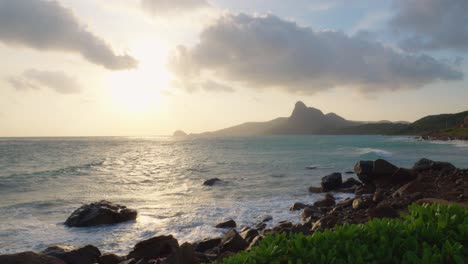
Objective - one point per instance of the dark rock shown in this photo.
(255, 241)
(267, 218)
(153, 248)
(350, 182)
(326, 222)
(383, 168)
(207, 244)
(224, 255)
(383, 212)
(100, 213)
(211, 182)
(232, 242)
(327, 202)
(260, 226)
(365, 189)
(378, 196)
(426, 164)
(363, 170)
(110, 258)
(297, 206)
(332, 181)
(403, 175)
(249, 234)
(412, 187)
(313, 189)
(129, 261)
(29, 257)
(71, 255)
(185, 254)
(311, 213)
(228, 224)
(345, 203)
(349, 172)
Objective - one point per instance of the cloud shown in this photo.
(161, 7)
(205, 85)
(432, 24)
(46, 25)
(56, 80)
(262, 52)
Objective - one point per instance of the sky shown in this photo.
(150, 67)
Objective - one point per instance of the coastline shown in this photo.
(383, 190)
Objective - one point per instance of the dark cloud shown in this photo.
(56, 80)
(158, 7)
(46, 25)
(432, 24)
(268, 52)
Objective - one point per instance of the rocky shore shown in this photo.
(382, 190)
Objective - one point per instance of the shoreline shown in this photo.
(383, 190)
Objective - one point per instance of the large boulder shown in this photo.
(232, 242)
(228, 224)
(207, 244)
(363, 170)
(350, 183)
(249, 234)
(86, 255)
(332, 181)
(154, 248)
(100, 213)
(29, 258)
(297, 206)
(427, 164)
(381, 172)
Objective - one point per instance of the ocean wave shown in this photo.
(456, 143)
(374, 151)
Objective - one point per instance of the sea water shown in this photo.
(42, 180)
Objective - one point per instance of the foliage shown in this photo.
(427, 234)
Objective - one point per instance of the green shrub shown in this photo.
(427, 234)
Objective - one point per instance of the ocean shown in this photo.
(42, 180)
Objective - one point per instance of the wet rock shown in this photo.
(313, 189)
(361, 203)
(365, 189)
(110, 258)
(100, 213)
(185, 254)
(71, 255)
(384, 212)
(154, 248)
(211, 182)
(427, 164)
(327, 202)
(207, 244)
(29, 258)
(232, 242)
(363, 170)
(311, 213)
(297, 206)
(228, 224)
(249, 234)
(332, 181)
(350, 182)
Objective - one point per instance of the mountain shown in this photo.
(308, 120)
(303, 120)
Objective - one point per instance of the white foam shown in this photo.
(375, 151)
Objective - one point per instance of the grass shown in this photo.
(427, 234)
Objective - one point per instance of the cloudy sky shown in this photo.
(149, 67)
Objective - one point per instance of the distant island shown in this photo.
(311, 121)
(179, 133)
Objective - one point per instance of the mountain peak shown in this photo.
(301, 111)
(300, 104)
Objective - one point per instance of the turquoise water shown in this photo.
(42, 180)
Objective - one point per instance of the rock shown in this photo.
(249, 234)
(255, 241)
(350, 182)
(313, 189)
(311, 212)
(327, 202)
(361, 203)
(426, 164)
(383, 168)
(267, 218)
(383, 212)
(345, 203)
(332, 181)
(207, 244)
(179, 133)
(71, 255)
(232, 242)
(260, 226)
(100, 213)
(363, 170)
(323, 223)
(211, 182)
(185, 254)
(412, 187)
(155, 247)
(378, 196)
(297, 206)
(365, 189)
(110, 258)
(29, 257)
(403, 175)
(228, 224)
